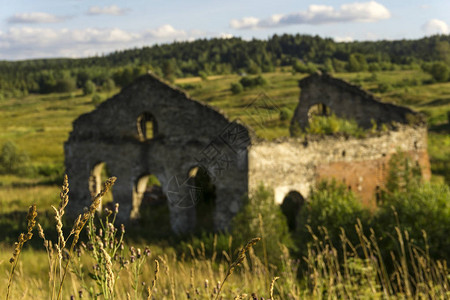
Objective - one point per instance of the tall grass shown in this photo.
(103, 266)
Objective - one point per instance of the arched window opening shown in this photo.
(319, 110)
(99, 174)
(146, 126)
(149, 207)
(291, 206)
(147, 192)
(204, 198)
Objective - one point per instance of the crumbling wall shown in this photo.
(295, 165)
(346, 101)
(189, 134)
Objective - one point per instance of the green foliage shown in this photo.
(108, 85)
(333, 206)
(12, 160)
(384, 87)
(250, 82)
(301, 67)
(357, 63)
(89, 87)
(96, 99)
(262, 217)
(439, 71)
(223, 56)
(339, 65)
(327, 125)
(65, 85)
(420, 209)
(404, 173)
(285, 114)
(203, 75)
(236, 87)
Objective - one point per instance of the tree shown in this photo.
(65, 85)
(357, 63)
(439, 71)
(236, 88)
(12, 160)
(108, 85)
(89, 87)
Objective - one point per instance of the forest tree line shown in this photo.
(203, 57)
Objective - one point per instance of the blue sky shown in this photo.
(79, 28)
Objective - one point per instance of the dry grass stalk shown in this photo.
(81, 222)
(23, 238)
(150, 289)
(272, 284)
(237, 262)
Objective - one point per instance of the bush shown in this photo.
(53, 172)
(439, 71)
(333, 206)
(384, 87)
(236, 88)
(285, 114)
(96, 99)
(12, 160)
(262, 217)
(300, 67)
(65, 85)
(422, 208)
(89, 88)
(250, 82)
(203, 75)
(328, 125)
(108, 85)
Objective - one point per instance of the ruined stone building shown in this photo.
(151, 128)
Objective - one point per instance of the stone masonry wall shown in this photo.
(347, 101)
(188, 135)
(295, 165)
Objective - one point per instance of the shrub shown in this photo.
(285, 114)
(403, 173)
(12, 160)
(300, 67)
(65, 85)
(384, 87)
(261, 216)
(203, 75)
(96, 99)
(89, 88)
(250, 82)
(421, 209)
(333, 206)
(327, 125)
(108, 85)
(236, 88)
(439, 71)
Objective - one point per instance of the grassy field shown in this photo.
(39, 125)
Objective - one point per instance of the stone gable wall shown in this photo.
(347, 101)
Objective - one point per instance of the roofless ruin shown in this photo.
(153, 130)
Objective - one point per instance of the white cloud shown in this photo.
(225, 36)
(319, 14)
(435, 26)
(34, 17)
(166, 31)
(247, 22)
(30, 42)
(343, 39)
(107, 10)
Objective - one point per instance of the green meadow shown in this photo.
(40, 124)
